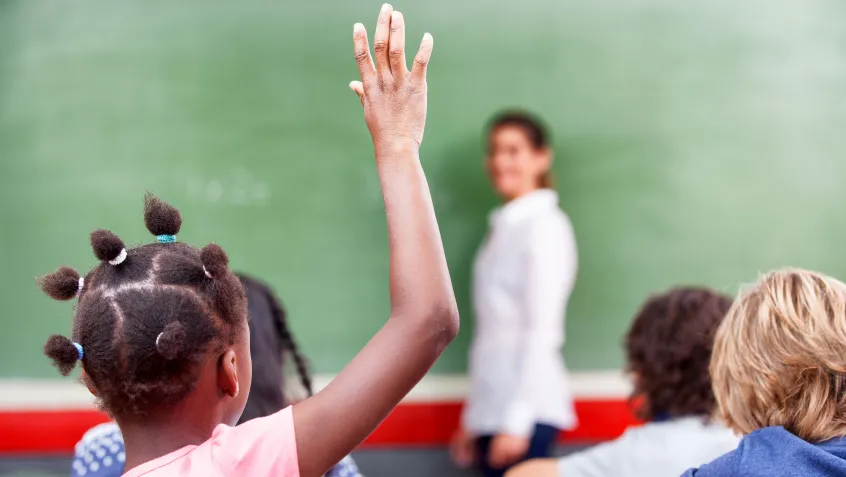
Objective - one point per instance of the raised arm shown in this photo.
(424, 315)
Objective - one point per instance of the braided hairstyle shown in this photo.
(280, 325)
(147, 316)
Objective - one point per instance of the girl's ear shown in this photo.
(88, 383)
(227, 374)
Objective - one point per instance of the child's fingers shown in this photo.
(362, 53)
(381, 41)
(396, 51)
(421, 61)
(358, 87)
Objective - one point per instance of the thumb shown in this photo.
(359, 90)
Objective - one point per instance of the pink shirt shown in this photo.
(260, 447)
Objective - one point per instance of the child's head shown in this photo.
(780, 357)
(156, 324)
(668, 348)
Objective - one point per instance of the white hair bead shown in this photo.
(119, 259)
(208, 274)
(81, 284)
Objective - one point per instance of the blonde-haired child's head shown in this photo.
(780, 356)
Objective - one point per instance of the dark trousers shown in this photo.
(540, 446)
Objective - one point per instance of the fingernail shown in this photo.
(386, 7)
(352, 85)
(358, 27)
(428, 38)
(396, 15)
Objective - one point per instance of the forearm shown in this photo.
(420, 285)
(424, 319)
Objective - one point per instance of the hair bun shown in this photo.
(63, 353)
(160, 217)
(215, 261)
(108, 247)
(169, 342)
(63, 284)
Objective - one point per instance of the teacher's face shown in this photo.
(515, 166)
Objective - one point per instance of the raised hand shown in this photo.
(424, 316)
(393, 97)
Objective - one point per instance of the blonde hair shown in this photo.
(779, 357)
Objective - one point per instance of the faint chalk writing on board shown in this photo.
(238, 188)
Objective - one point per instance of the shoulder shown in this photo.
(724, 466)
(102, 431)
(768, 445)
(100, 452)
(758, 449)
(640, 451)
(256, 446)
(550, 229)
(345, 468)
(553, 220)
(602, 459)
(647, 435)
(680, 443)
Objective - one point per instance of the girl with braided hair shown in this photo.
(161, 329)
(101, 452)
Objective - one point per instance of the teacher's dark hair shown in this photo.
(668, 349)
(534, 130)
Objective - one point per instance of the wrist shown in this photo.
(396, 147)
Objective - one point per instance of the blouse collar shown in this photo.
(525, 206)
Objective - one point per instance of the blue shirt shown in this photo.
(772, 452)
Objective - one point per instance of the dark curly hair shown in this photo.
(668, 348)
(147, 315)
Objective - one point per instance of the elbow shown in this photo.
(444, 319)
(439, 324)
(452, 322)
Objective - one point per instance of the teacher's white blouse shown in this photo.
(522, 279)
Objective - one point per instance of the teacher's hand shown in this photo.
(461, 449)
(507, 449)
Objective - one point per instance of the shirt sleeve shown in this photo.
(550, 274)
(345, 468)
(266, 446)
(100, 453)
(599, 461)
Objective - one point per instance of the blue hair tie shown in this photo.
(79, 350)
(166, 238)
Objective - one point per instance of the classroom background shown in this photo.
(696, 143)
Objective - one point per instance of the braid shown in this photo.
(281, 324)
(289, 343)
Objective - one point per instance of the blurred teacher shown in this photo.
(524, 272)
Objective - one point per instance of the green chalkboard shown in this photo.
(696, 142)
